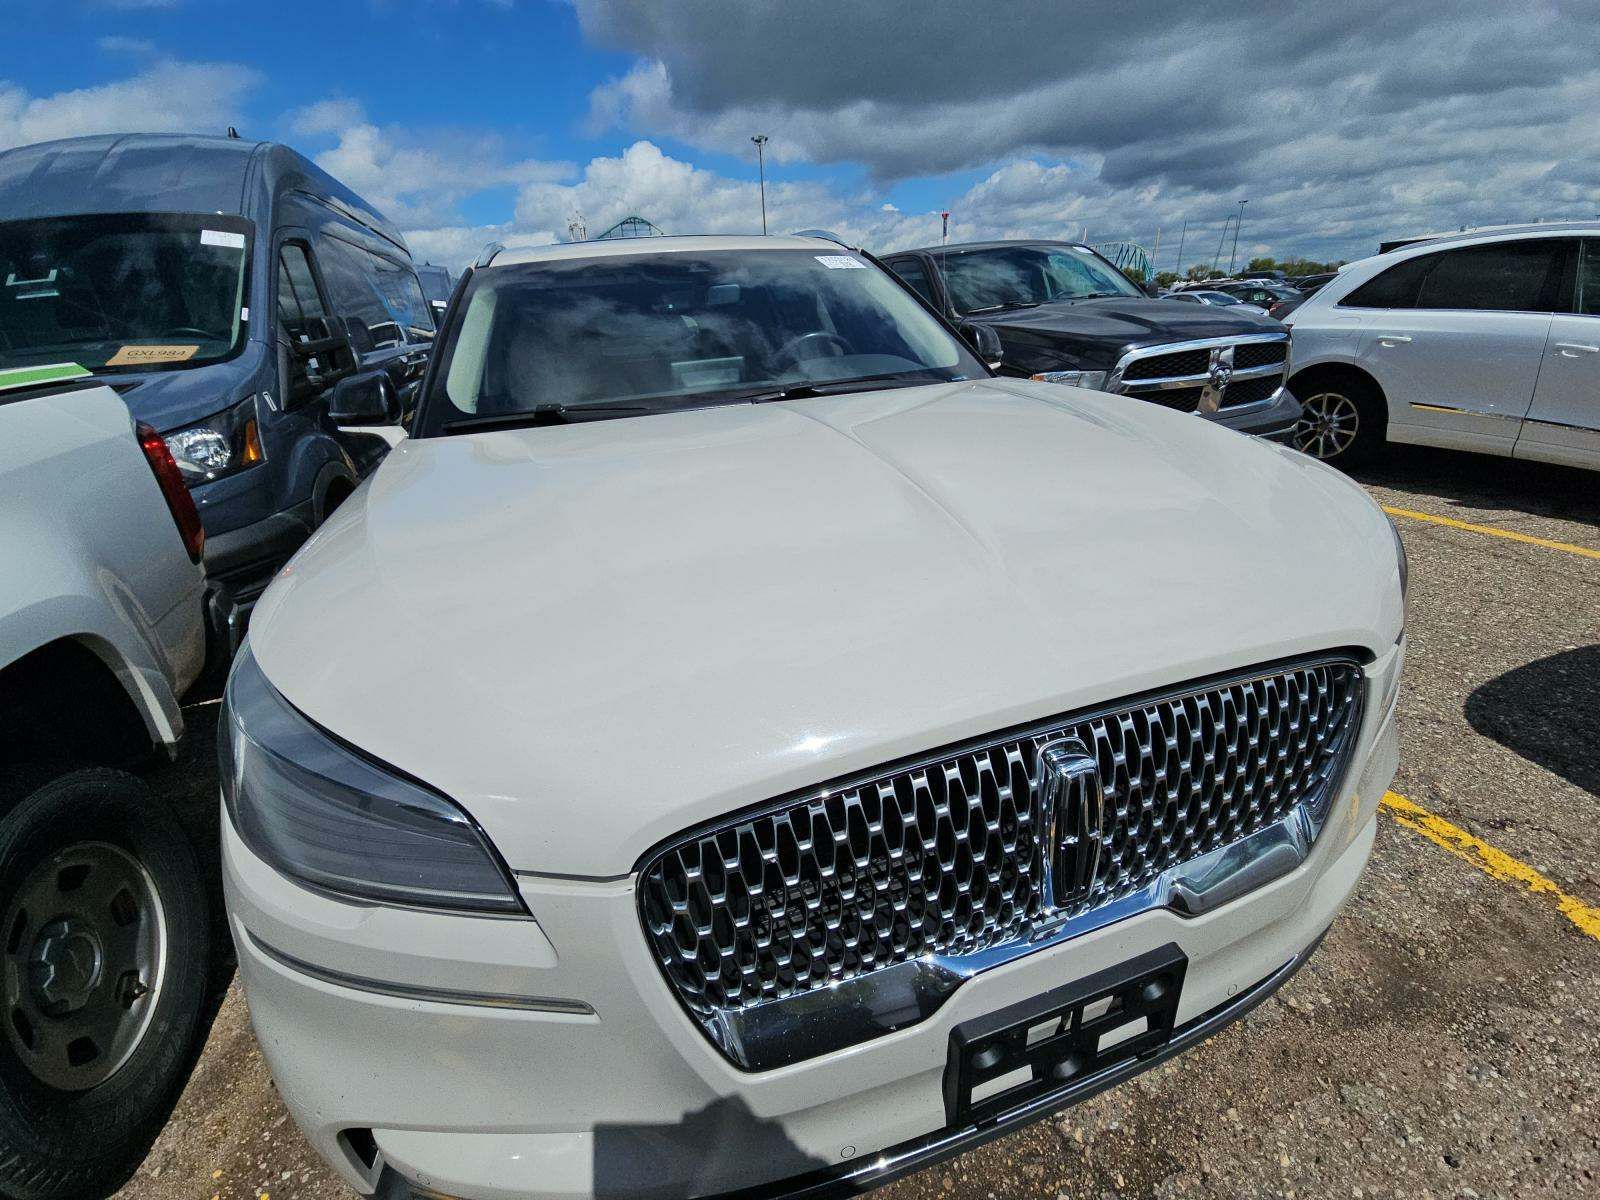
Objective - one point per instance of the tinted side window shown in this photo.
(1589, 278)
(1505, 276)
(916, 277)
(1394, 288)
(380, 293)
(301, 314)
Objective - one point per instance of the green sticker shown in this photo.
(21, 377)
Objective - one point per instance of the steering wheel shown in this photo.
(790, 350)
(188, 331)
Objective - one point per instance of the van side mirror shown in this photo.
(367, 398)
(984, 341)
(313, 361)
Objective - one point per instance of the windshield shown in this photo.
(1019, 276)
(122, 292)
(1222, 299)
(661, 331)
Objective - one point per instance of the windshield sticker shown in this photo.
(222, 237)
(133, 356)
(841, 262)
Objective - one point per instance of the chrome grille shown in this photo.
(1251, 391)
(1165, 366)
(945, 858)
(1205, 376)
(1258, 354)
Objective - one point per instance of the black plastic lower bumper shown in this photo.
(851, 1179)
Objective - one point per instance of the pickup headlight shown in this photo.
(321, 814)
(1087, 379)
(221, 445)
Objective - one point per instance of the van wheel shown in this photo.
(103, 948)
(1341, 421)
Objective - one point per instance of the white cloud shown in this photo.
(417, 178)
(1340, 123)
(167, 97)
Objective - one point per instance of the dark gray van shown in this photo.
(224, 287)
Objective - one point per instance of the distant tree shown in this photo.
(1166, 278)
(1135, 273)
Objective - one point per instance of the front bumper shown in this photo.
(1273, 418)
(494, 1059)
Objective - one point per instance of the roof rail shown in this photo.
(486, 255)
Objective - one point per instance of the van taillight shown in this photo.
(172, 486)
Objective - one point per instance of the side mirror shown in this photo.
(984, 341)
(368, 398)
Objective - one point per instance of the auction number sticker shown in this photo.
(222, 237)
(841, 262)
(132, 356)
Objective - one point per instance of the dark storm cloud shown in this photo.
(1338, 117)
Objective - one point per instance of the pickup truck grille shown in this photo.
(945, 857)
(1182, 377)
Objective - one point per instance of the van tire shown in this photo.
(69, 1137)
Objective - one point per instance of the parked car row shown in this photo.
(735, 737)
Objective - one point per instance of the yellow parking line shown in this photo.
(1494, 863)
(1509, 534)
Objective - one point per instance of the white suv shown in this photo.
(737, 741)
(1486, 342)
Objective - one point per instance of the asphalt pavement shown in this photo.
(1444, 1042)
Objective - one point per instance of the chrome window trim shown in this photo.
(779, 1032)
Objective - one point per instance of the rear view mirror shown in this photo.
(365, 399)
(984, 341)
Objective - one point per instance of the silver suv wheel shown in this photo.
(1329, 425)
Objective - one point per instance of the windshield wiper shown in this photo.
(834, 387)
(546, 414)
(1006, 307)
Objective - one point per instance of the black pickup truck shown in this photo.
(1066, 314)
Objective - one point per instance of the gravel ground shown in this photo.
(1445, 1041)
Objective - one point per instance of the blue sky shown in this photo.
(468, 120)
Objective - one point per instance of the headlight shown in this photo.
(1088, 379)
(220, 445)
(320, 813)
(1400, 554)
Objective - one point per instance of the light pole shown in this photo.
(1238, 221)
(1182, 234)
(760, 140)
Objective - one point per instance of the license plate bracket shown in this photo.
(1060, 1040)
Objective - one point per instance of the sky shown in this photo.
(470, 121)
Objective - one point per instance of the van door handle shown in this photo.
(1573, 349)
(1393, 339)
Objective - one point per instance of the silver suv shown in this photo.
(1486, 342)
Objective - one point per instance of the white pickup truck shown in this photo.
(104, 928)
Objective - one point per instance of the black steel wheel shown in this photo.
(104, 939)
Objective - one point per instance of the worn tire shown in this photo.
(80, 1144)
(1344, 420)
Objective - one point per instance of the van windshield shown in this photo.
(122, 292)
(617, 335)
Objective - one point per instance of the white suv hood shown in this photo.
(595, 636)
